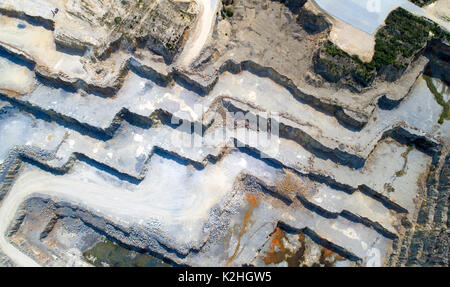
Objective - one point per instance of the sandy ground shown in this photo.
(439, 12)
(199, 36)
(348, 38)
(15, 78)
(352, 40)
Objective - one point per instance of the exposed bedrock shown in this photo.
(352, 118)
(159, 26)
(33, 20)
(439, 55)
(429, 243)
(11, 165)
(241, 156)
(425, 241)
(400, 134)
(236, 38)
(5, 261)
(355, 120)
(313, 23)
(199, 165)
(422, 143)
(321, 241)
(250, 180)
(143, 239)
(403, 135)
(29, 158)
(75, 219)
(386, 103)
(261, 71)
(312, 145)
(285, 131)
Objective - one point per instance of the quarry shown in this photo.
(207, 133)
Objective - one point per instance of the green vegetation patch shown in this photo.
(227, 8)
(405, 162)
(107, 253)
(389, 188)
(445, 115)
(422, 3)
(117, 20)
(396, 44)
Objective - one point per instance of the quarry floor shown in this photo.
(211, 189)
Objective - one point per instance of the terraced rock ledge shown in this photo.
(204, 133)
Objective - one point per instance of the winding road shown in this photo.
(201, 32)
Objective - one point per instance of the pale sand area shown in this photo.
(350, 39)
(366, 15)
(439, 12)
(15, 78)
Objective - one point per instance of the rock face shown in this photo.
(294, 6)
(102, 26)
(312, 23)
(5, 261)
(330, 71)
(109, 143)
(426, 242)
(157, 25)
(439, 55)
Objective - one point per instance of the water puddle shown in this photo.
(110, 254)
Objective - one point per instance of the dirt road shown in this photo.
(200, 33)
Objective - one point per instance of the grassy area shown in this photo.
(108, 253)
(439, 99)
(396, 43)
(227, 8)
(333, 50)
(405, 157)
(422, 3)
